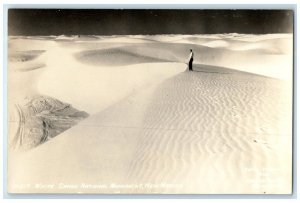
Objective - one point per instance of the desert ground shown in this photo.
(122, 114)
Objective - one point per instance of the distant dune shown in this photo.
(265, 57)
(115, 57)
(25, 55)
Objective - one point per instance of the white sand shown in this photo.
(154, 127)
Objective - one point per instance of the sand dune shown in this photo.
(25, 55)
(65, 37)
(153, 126)
(27, 67)
(102, 87)
(161, 38)
(266, 46)
(114, 57)
(198, 131)
(265, 58)
(76, 38)
(224, 122)
(253, 37)
(269, 46)
(216, 43)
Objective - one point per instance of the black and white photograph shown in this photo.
(150, 101)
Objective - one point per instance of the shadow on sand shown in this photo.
(204, 68)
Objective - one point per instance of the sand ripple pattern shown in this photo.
(196, 117)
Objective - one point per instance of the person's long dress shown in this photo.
(191, 62)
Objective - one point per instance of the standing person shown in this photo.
(191, 60)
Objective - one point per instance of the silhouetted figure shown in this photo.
(191, 60)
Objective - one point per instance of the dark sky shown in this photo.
(118, 22)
